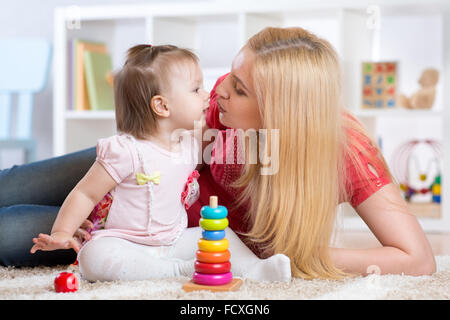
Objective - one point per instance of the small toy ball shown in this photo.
(66, 282)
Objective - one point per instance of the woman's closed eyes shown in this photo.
(238, 91)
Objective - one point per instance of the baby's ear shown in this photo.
(159, 106)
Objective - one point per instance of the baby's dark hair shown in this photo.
(146, 73)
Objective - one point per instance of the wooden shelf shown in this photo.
(426, 210)
(91, 114)
(398, 112)
(420, 210)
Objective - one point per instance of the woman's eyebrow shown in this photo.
(240, 81)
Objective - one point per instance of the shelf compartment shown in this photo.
(92, 114)
(198, 33)
(87, 133)
(399, 112)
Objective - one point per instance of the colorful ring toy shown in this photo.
(212, 279)
(214, 213)
(213, 257)
(213, 235)
(213, 224)
(202, 267)
(213, 245)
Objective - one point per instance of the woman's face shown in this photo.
(236, 96)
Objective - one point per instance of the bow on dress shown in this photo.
(142, 178)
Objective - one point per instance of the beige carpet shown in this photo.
(37, 284)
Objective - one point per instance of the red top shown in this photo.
(215, 178)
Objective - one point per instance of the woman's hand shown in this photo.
(55, 241)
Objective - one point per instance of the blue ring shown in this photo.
(220, 212)
(213, 235)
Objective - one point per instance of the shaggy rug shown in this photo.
(37, 284)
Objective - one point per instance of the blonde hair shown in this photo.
(297, 81)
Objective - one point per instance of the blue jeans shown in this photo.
(30, 198)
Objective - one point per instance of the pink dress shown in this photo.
(154, 212)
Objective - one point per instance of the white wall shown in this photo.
(30, 18)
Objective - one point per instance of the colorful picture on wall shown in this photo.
(379, 81)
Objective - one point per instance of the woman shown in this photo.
(286, 81)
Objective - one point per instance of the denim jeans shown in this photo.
(30, 198)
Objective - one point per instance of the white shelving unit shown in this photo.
(217, 30)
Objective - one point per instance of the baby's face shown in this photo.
(187, 100)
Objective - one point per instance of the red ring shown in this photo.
(202, 267)
(213, 257)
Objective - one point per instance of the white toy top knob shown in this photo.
(213, 200)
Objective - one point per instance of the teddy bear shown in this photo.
(424, 97)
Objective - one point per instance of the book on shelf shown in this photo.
(78, 94)
(70, 75)
(98, 68)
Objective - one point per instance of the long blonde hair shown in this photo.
(297, 80)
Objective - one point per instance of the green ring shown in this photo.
(213, 224)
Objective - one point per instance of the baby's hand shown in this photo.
(83, 233)
(55, 241)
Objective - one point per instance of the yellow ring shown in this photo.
(213, 224)
(213, 245)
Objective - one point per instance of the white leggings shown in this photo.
(110, 258)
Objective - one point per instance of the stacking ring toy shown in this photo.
(213, 224)
(202, 267)
(208, 212)
(213, 235)
(213, 245)
(213, 257)
(212, 279)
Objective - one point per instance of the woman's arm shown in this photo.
(405, 247)
(76, 208)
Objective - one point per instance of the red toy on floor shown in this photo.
(66, 282)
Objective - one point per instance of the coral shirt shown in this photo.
(215, 178)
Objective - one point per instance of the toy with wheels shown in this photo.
(212, 267)
(428, 182)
